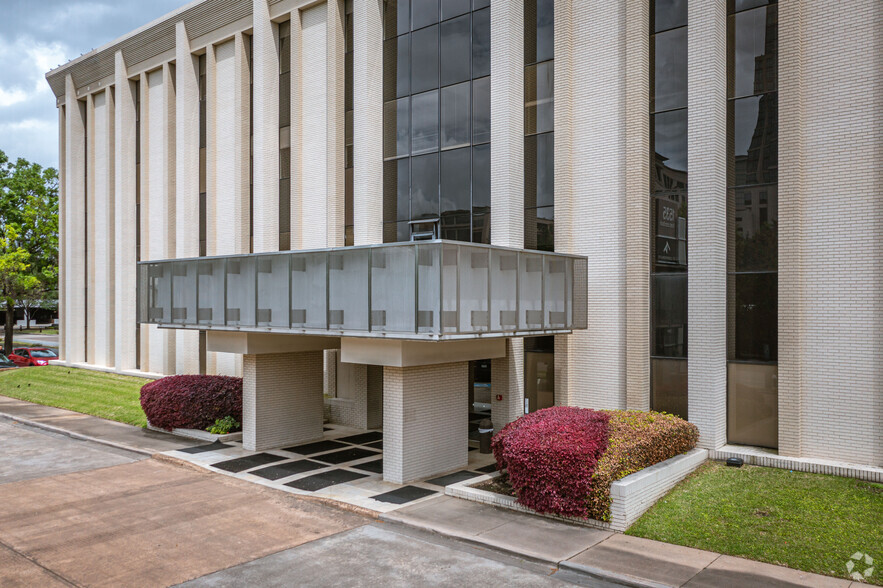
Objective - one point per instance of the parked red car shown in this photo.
(25, 356)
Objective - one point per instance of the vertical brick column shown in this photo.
(91, 164)
(74, 313)
(266, 130)
(507, 380)
(368, 122)
(187, 180)
(335, 151)
(590, 197)
(425, 421)
(62, 231)
(124, 223)
(637, 122)
(791, 228)
(281, 399)
(507, 184)
(707, 160)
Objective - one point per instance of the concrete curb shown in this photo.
(607, 576)
(72, 435)
(469, 540)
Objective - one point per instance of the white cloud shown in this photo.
(10, 97)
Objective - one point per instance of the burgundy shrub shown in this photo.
(550, 456)
(191, 402)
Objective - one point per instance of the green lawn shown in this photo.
(46, 331)
(809, 522)
(104, 395)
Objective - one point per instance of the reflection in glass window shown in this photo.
(424, 59)
(481, 179)
(539, 170)
(424, 186)
(754, 52)
(455, 50)
(667, 14)
(756, 314)
(424, 122)
(668, 54)
(455, 116)
(481, 43)
(397, 67)
(539, 31)
(455, 193)
(423, 13)
(396, 129)
(481, 110)
(668, 135)
(755, 139)
(539, 101)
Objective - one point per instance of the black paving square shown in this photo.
(241, 464)
(203, 448)
(404, 494)
(363, 438)
(283, 470)
(488, 469)
(317, 447)
(325, 479)
(453, 478)
(375, 467)
(346, 455)
(375, 445)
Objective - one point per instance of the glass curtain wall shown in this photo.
(539, 180)
(539, 124)
(348, 235)
(436, 118)
(668, 206)
(284, 135)
(752, 124)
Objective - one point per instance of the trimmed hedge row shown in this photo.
(637, 440)
(562, 460)
(191, 402)
(550, 456)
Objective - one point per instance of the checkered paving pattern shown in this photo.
(347, 465)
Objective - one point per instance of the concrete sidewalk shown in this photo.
(595, 555)
(83, 426)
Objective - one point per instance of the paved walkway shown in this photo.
(82, 426)
(595, 554)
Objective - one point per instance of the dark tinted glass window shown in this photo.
(396, 67)
(756, 228)
(667, 14)
(481, 110)
(455, 180)
(424, 59)
(539, 170)
(753, 52)
(539, 224)
(455, 116)
(423, 13)
(424, 122)
(669, 315)
(452, 8)
(539, 101)
(481, 178)
(539, 37)
(396, 17)
(756, 315)
(424, 186)
(737, 5)
(668, 57)
(396, 135)
(668, 134)
(396, 190)
(455, 50)
(481, 43)
(754, 136)
(481, 228)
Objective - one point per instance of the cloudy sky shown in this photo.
(38, 35)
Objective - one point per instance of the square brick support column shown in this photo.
(281, 399)
(425, 421)
(707, 283)
(507, 380)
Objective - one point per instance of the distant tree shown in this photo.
(28, 235)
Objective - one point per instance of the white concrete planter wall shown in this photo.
(630, 497)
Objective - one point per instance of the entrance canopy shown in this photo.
(430, 290)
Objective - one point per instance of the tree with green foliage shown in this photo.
(28, 235)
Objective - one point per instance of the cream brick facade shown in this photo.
(830, 390)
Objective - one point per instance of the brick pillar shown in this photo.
(425, 421)
(507, 380)
(281, 399)
(707, 157)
